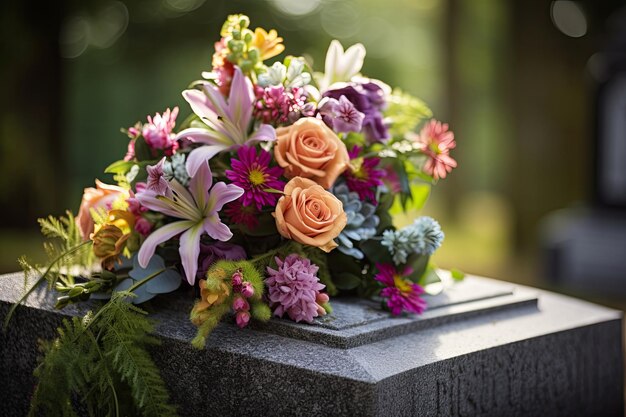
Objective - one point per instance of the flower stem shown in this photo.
(42, 278)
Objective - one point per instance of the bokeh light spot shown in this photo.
(296, 7)
(569, 18)
(341, 19)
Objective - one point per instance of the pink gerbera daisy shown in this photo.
(253, 173)
(363, 177)
(240, 214)
(401, 294)
(436, 141)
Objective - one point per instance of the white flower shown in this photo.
(341, 65)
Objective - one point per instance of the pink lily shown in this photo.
(198, 208)
(224, 123)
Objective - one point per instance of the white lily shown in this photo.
(341, 65)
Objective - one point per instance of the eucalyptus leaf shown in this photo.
(346, 281)
(375, 251)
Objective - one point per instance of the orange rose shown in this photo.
(310, 149)
(309, 214)
(102, 196)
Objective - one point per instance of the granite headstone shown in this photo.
(483, 348)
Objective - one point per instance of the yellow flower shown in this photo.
(110, 239)
(211, 297)
(268, 44)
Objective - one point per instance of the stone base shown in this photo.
(484, 348)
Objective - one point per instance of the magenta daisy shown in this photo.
(253, 173)
(401, 294)
(243, 215)
(436, 141)
(363, 177)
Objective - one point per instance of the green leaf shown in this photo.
(419, 194)
(142, 150)
(418, 263)
(346, 281)
(431, 281)
(375, 251)
(457, 274)
(119, 167)
(405, 112)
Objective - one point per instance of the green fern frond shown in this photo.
(124, 342)
(101, 360)
(52, 227)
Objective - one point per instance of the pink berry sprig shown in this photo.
(242, 291)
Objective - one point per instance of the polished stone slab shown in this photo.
(484, 348)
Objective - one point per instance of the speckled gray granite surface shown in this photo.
(484, 348)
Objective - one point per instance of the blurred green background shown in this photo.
(509, 77)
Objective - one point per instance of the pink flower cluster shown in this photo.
(142, 225)
(277, 105)
(294, 288)
(243, 290)
(157, 134)
(158, 131)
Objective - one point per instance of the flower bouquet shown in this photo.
(273, 196)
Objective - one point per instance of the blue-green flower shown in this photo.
(423, 237)
(361, 224)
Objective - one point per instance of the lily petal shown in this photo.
(159, 236)
(265, 133)
(150, 200)
(200, 184)
(214, 227)
(200, 155)
(200, 103)
(223, 193)
(240, 100)
(190, 250)
(351, 62)
(200, 135)
(335, 51)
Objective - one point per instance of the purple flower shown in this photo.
(340, 115)
(369, 99)
(363, 177)
(197, 209)
(294, 289)
(246, 216)
(213, 252)
(156, 179)
(401, 294)
(253, 173)
(225, 123)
